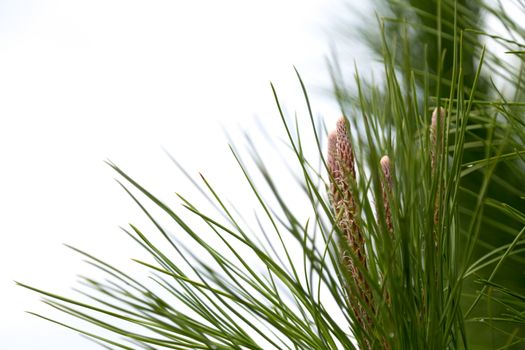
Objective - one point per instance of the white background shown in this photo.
(86, 81)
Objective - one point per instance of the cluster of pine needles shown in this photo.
(414, 216)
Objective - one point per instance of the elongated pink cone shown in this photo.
(341, 166)
(436, 142)
(386, 187)
(437, 126)
(343, 175)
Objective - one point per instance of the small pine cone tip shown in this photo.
(344, 149)
(385, 166)
(332, 153)
(341, 125)
(386, 187)
(434, 123)
(441, 112)
(342, 132)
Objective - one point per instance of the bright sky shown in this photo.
(85, 81)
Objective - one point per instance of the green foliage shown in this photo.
(424, 34)
(446, 267)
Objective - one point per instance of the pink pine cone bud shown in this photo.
(434, 126)
(386, 187)
(385, 167)
(437, 123)
(442, 112)
(340, 163)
